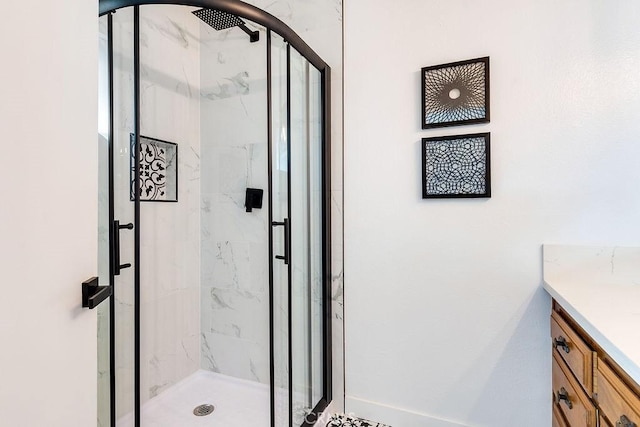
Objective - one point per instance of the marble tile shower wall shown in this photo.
(234, 277)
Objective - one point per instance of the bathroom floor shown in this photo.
(238, 403)
(348, 421)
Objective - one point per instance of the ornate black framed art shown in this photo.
(456, 166)
(456, 93)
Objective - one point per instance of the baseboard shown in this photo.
(395, 417)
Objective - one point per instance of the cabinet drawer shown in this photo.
(573, 350)
(558, 418)
(576, 407)
(603, 422)
(618, 403)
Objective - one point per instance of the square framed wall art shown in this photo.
(456, 93)
(158, 164)
(456, 166)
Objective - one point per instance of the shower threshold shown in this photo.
(238, 403)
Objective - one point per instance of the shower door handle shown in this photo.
(117, 267)
(287, 236)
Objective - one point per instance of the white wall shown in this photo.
(446, 317)
(48, 212)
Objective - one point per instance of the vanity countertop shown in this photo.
(600, 288)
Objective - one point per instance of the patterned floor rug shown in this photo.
(348, 421)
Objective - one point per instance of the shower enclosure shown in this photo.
(214, 212)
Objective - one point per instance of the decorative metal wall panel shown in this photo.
(158, 170)
(456, 166)
(456, 93)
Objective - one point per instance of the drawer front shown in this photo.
(618, 403)
(571, 399)
(573, 350)
(603, 422)
(558, 418)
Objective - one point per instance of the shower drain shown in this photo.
(202, 410)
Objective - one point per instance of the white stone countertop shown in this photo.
(600, 288)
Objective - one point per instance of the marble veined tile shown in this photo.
(236, 357)
(239, 265)
(236, 313)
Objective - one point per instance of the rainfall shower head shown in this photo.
(219, 20)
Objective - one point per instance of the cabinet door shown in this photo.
(603, 422)
(558, 418)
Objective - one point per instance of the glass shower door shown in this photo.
(104, 309)
(116, 319)
(116, 214)
(297, 208)
(306, 205)
(279, 206)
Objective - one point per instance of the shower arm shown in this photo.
(254, 36)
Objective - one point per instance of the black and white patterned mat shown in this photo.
(348, 421)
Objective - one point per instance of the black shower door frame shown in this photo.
(243, 10)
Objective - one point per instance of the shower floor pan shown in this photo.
(238, 403)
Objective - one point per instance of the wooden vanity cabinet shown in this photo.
(589, 389)
(557, 419)
(574, 351)
(603, 423)
(617, 401)
(574, 404)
